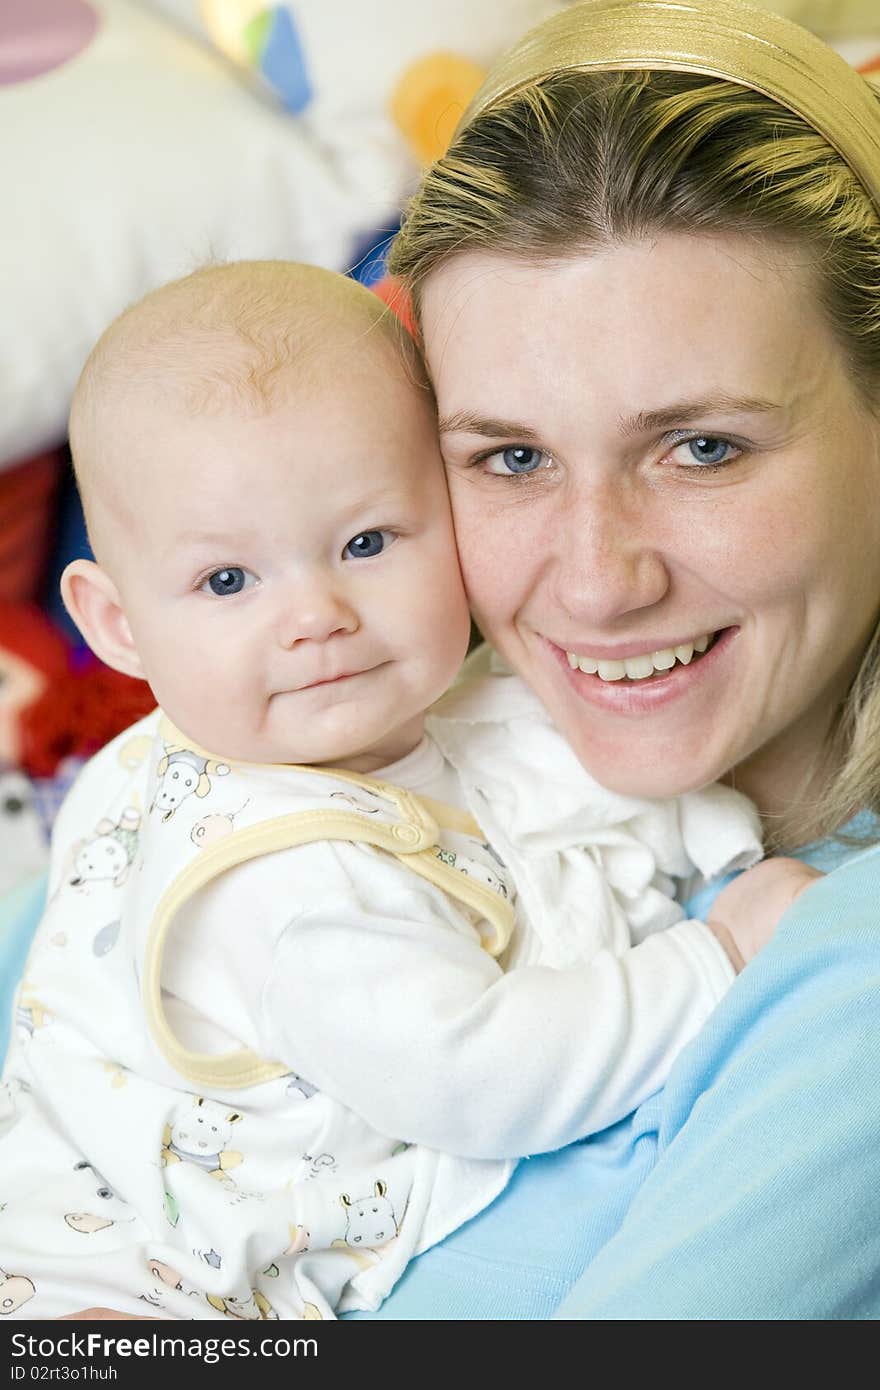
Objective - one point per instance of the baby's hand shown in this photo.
(747, 912)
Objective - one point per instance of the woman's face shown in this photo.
(650, 447)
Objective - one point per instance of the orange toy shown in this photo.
(429, 100)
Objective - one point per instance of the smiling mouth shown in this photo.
(645, 666)
(332, 680)
(336, 680)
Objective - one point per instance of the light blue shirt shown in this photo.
(747, 1189)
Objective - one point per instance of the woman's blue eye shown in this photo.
(519, 459)
(708, 449)
(227, 581)
(367, 544)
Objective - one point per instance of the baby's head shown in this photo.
(256, 450)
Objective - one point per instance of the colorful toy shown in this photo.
(390, 70)
(27, 495)
(65, 28)
(56, 704)
(429, 98)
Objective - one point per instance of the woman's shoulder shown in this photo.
(859, 836)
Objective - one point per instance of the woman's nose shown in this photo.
(610, 557)
(314, 610)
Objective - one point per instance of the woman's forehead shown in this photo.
(639, 328)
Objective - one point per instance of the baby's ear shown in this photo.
(91, 599)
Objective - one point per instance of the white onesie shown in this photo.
(265, 1049)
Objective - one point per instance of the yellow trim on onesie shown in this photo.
(412, 840)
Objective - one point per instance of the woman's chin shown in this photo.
(653, 757)
(643, 780)
(652, 738)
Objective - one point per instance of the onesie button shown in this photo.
(409, 834)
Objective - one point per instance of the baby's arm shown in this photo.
(747, 912)
(381, 997)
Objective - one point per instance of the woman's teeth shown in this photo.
(639, 668)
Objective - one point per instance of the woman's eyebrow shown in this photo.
(643, 422)
(683, 412)
(466, 422)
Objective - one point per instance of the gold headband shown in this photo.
(719, 38)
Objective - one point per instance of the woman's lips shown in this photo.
(627, 695)
(638, 663)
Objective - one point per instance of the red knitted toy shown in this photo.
(55, 703)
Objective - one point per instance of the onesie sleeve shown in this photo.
(381, 995)
(762, 1201)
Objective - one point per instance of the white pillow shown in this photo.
(128, 161)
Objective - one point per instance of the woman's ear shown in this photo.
(91, 599)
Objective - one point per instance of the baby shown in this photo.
(266, 1048)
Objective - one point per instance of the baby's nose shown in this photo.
(314, 612)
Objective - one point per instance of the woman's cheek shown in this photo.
(789, 543)
(493, 553)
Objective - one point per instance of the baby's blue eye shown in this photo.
(366, 545)
(227, 581)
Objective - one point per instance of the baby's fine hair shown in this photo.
(230, 334)
(234, 337)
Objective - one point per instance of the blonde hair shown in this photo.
(227, 336)
(230, 333)
(576, 161)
